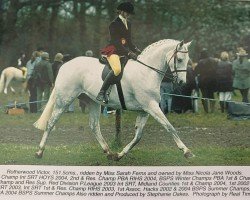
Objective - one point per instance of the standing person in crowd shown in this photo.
(166, 90)
(30, 80)
(89, 53)
(241, 72)
(224, 78)
(44, 79)
(58, 61)
(40, 51)
(188, 102)
(120, 45)
(184, 103)
(206, 72)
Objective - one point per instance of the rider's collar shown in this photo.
(122, 18)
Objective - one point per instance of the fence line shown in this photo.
(178, 95)
(202, 98)
(19, 104)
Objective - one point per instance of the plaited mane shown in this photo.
(157, 44)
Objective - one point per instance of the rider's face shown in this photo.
(125, 14)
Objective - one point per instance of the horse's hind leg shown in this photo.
(156, 112)
(8, 79)
(57, 112)
(12, 89)
(94, 123)
(59, 108)
(139, 125)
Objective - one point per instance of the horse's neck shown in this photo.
(157, 58)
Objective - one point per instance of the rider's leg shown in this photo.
(115, 64)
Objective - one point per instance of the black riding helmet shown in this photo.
(126, 7)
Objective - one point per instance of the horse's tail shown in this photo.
(2, 79)
(42, 122)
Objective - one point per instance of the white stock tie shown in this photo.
(125, 23)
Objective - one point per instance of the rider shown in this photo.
(21, 61)
(120, 45)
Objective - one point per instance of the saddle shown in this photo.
(116, 79)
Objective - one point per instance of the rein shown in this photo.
(154, 69)
(175, 68)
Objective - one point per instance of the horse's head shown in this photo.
(177, 60)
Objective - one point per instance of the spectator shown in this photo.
(189, 87)
(166, 89)
(206, 71)
(43, 76)
(31, 85)
(89, 53)
(224, 80)
(58, 61)
(241, 72)
(40, 52)
(182, 104)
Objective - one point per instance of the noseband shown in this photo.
(174, 73)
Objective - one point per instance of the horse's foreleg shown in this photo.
(154, 110)
(139, 125)
(94, 116)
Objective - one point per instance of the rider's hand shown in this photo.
(132, 55)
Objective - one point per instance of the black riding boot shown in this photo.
(102, 96)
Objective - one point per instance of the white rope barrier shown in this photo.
(202, 98)
(19, 104)
(170, 94)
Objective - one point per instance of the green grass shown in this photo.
(88, 155)
(213, 138)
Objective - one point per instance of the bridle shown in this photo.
(173, 75)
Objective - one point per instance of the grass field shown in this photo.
(213, 138)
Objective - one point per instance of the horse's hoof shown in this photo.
(39, 154)
(113, 156)
(189, 154)
(110, 156)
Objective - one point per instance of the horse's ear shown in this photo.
(181, 43)
(188, 43)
